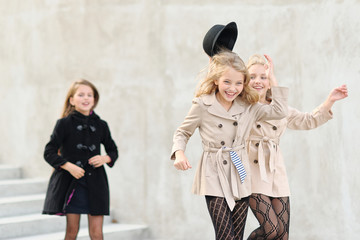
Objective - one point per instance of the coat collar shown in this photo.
(217, 109)
(80, 116)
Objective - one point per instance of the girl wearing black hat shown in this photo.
(79, 183)
(224, 110)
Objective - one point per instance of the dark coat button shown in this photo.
(256, 144)
(93, 129)
(235, 123)
(274, 128)
(222, 143)
(92, 147)
(258, 126)
(220, 125)
(224, 162)
(255, 161)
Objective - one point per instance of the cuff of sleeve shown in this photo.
(112, 162)
(174, 149)
(326, 114)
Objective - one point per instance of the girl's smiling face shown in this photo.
(259, 80)
(230, 85)
(83, 99)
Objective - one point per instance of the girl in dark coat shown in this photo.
(79, 183)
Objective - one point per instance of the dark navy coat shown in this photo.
(76, 138)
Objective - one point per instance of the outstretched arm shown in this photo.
(304, 121)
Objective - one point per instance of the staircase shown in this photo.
(21, 202)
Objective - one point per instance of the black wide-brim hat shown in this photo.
(220, 36)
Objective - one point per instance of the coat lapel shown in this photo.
(215, 108)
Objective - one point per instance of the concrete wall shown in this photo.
(144, 57)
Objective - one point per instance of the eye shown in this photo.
(252, 77)
(80, 94)
(227, 81)
(263, 77)
(239, 83)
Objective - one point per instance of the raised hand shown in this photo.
(338, 93)
(270, 71)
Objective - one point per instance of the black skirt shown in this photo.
(79, 200)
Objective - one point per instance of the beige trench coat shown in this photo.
(268, 173)
(221, 131)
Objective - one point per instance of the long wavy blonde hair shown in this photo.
(68, 108)
(219, 64)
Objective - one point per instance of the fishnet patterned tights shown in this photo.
(273, 215)
(229, 225)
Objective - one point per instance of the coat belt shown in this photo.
(230, 192)
(272, 146)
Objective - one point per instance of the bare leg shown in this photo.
(96, 226)
(72, 226)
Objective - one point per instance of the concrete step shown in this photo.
(19, 187)
(9, 172)
(18, 205)
(18, 226)
(31, 224)
(111, 232)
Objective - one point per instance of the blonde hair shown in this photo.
(256, 59)
(219, 64)
(68, 108)
(259, 59)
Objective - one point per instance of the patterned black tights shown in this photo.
(229, 225)
(273, 215)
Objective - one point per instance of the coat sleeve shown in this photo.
(51, 153)
(109, 144)
(305, 121)
(277, 109)
(187, 128)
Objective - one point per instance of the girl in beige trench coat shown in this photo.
(269, 200)
(224, 110)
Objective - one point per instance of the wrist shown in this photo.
(179, 153)
(106, 159)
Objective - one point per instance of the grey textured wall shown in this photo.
(144, 57)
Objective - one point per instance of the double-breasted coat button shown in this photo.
(224, 162)
(89, 174)
(255, 161)
(256, 144)
(222, 143)
(235, 123)
(258, 126)
(274, 128)
(220, 125)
